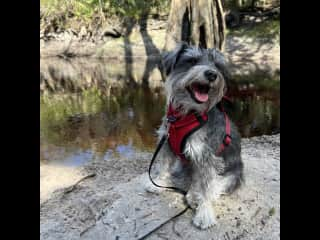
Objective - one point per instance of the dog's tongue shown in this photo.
(201, 97)
(200, 92)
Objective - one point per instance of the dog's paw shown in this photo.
(204, 217)
(193, 199)
(151, 188)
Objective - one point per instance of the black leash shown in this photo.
(162, 224)
(160, 144)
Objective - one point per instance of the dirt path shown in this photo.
(113, 205)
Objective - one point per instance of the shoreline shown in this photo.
(246, 55)
(250, 62)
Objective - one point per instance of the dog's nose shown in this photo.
(210, 75)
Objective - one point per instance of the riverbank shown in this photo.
(250, 50)
(111, 201)
(252, 62)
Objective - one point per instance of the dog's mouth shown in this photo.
(199, 92)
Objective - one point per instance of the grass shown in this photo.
(265, 30)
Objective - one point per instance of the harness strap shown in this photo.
(227, 98)
(227, 138)
(199, 118)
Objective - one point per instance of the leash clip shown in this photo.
(171, 119)
(227, 140)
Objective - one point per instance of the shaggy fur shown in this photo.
(207, 176)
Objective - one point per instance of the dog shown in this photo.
(196, 83)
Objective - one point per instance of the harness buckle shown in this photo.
(227, 140)
(171, 118)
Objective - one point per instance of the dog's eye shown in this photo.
(192, 60)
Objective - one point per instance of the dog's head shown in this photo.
(196, 78)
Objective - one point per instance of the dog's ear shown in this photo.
(222, 64)
(169, 59)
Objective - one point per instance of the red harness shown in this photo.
(180, 128)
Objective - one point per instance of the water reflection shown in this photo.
(76, 75)
(114, 126)
(256, 114)
(95, 125)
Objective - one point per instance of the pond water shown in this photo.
(97, 125)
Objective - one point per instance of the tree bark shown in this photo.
(103, 19)
(198, 22)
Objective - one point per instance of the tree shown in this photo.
(198, 22)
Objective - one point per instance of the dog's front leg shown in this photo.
(200, 198)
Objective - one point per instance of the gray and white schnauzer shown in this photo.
(195, 84)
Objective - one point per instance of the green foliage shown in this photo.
(135, 8)
(246, 4)
(234, 4)
(86, 9)
(83, 9)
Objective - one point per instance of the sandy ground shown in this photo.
(113, 204)
(56, 177)
(248, 55)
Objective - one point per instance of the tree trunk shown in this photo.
(103, 19)
(238, 4)
(198, 22)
